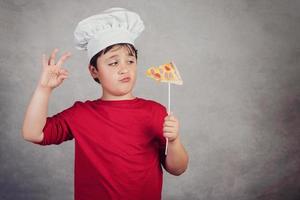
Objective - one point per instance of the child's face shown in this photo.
(117, 72)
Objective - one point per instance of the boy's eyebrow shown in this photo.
(113, 56)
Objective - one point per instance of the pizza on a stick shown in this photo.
(167, 73)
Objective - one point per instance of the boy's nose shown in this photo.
(123, 69)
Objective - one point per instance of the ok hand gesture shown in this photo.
(53, 74)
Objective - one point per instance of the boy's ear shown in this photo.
(93, 71)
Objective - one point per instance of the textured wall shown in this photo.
(239, 106)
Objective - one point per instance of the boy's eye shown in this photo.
(113, 64)
(131, 61)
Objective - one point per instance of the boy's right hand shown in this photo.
(53, 74)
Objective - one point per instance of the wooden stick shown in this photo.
(169, 111)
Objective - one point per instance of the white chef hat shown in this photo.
(112, 26)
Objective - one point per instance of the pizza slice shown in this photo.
(167, 73)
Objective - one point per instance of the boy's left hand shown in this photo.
(171, 127)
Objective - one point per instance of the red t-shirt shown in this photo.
(119, 147)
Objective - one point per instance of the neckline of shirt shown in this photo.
(119, 102)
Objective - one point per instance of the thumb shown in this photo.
(171, 116)
(61, 78)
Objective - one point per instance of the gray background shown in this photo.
(239, 107)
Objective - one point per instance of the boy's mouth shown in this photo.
(125, 80)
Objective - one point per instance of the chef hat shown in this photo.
(112, 26)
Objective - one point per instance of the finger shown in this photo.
(52, 57)
(170, 118)
(173, 118)
(169, 124)
(169, 135)
(63, 71)
(169, 129)
(64, 74)
(62, 77)
(63, 59)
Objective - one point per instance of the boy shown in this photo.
(119, 138)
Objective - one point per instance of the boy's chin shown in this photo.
(125, 89)
(123, 92)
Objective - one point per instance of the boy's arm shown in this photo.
(36, 114)
(37, 110)
(176, 161)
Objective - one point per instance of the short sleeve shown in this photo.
(159, 114)
(57, 128)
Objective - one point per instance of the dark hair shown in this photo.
(131, 49)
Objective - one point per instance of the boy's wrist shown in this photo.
(44, 89)
(174, 141)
